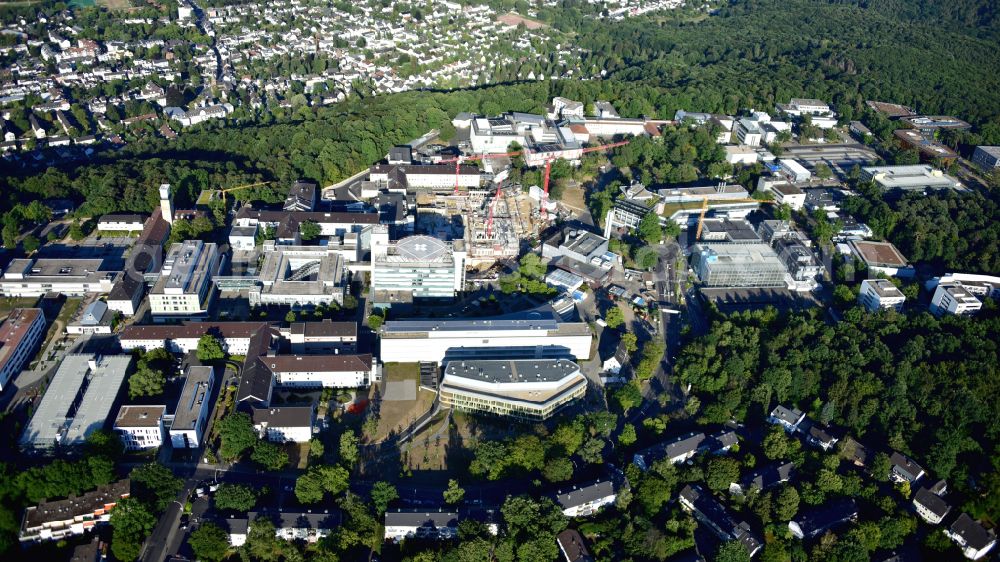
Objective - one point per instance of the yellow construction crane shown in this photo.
(704, 209)
(247, 186)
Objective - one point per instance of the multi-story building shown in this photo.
(287, 224)
(434, 177)
(536, 333)
(416, 267)
(61, 519)
(299, 277)
(708, 511)
(528, 389)
(410, 523)
(308, 526)
(284, 424)
(878, 294)
(34, 277)
(805, 106)
(184, 288)
(121, 223)
(140, 427)
(983, 286)
(801, 263)
(975, 540)
(20, 336)
(586, 499)
(183, 338)
(748, 132)
(881, 257)
(193, 407)
(738, 265)
(328, 371)
(930, 506)
(77, 402)
(953, 298)
(794, 172)
(322, 337)
(987, 157)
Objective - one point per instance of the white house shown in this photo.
(581, 501)
(328, 371)
(284, 423)
(121, 223)
(786, 418)
(975, 540)
(193, 407)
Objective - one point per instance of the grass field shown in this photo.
(7, 304)
(395, 415)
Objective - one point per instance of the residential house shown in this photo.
(764, 478)
(586, 499)
(406, 523)
(140, 427)
(284, 424)
(904, 469)
(786, 418)
(975, 540)
(930, 506)
(818, 520)
(572, 547)
(708, 511)
(61, 519)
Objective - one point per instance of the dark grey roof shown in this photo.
(972, 532)
(819, 520)
(572, 546)
(789, 416)
(933, 503)
(768, 476)
(720, 440)
(585, 493)
(672, 448)
(709, 511)
(284, 416)
(905, 466)
(327, 519)
(817, 434)
(420, 518)
(256, 379)
(124, 288)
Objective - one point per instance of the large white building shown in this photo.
(299, 277)
(184, 288)
(953, 298)
(526, 389)
(415, 267)
(20, 336)
(917, 177)
(77, 402)
(585, 500)
(436, 177)
(191, 414)
(879, 294)
(34, 277)
(536, 333)
(140, 427)
(748, 132)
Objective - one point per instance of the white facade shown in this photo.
(794, 171)
(952, 298)
(422, 266)
(878, 294)
(31, 277)
(120, 223)
(284, 424)
(743, 155)
(327, 371)
(193, 407)
(406, 341)
(748, 132)
(21, 333)
(184, 288)
(140, 427)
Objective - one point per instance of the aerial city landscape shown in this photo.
(500, 280)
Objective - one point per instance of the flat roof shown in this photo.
(878, 254)
(188, 262)
(55, 269)
(77, 401)
(325, 328)
(139, 416)
(883, 288)
(197, 389)
(503, 371)
(721, 253)
(13, 330)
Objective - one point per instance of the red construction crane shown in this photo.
(548, 170)
(458, 161)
